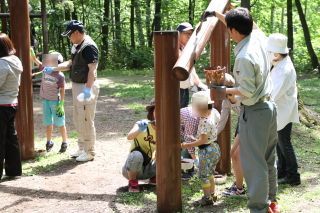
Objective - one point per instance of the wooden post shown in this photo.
(20, 35)
(198, 41)
(168, 123)
(220, 56)
(44, 27)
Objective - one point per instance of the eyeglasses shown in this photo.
(70, 34)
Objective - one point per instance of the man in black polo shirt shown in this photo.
(85, 90)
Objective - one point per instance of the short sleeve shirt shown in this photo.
(208, 126)
(51, 84)
(251, 68)
(90, 54)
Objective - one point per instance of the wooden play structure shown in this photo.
(19, 30)
(169, 70)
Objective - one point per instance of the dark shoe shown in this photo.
(204, 201)
(291, 182)
(49, 146)
(186, 176)
(153, 181)
(64, 147)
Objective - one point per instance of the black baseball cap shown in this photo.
(72, 26)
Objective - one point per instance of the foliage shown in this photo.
(121, 53)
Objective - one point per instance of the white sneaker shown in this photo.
(77, 153)
(84, 157)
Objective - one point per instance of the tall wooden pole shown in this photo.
(168, 123)
(20, 35)
(220, 56)
(44, 26)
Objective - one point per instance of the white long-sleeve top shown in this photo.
(285, 92)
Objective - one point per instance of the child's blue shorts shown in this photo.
(50, 114)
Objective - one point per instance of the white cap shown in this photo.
(185, 26)
(277, 43)
(60, 57)
(201, 98)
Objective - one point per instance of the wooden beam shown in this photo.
(168, 123)
(198, 41)
(20, 35)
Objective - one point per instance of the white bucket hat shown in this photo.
(277, 43)
(201, 98)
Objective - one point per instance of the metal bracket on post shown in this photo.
(168, 123)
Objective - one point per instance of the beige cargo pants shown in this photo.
(83, 117)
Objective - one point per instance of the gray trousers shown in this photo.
(258, 140)
(134, 163)
(83, 117)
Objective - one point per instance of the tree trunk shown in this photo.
(157, 15)
(105, 34)
(246, 4)
(117, 20)
(137, 10)
(132, 40)
(272, 18)
(282, 21)
(306, 32)
(191, 11)
(290, 28)
(148, 20)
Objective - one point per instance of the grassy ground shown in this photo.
(136, 93)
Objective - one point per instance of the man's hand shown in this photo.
(87, 92)
(207, 14)
(60, 109)
(48, 70)
(142, 125)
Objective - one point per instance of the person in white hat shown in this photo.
(284, 94)
(209, 151)
(185, 30)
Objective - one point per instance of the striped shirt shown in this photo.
(51, 84)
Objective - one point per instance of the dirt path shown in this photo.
(75, 187)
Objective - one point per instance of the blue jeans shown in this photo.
(287, 161)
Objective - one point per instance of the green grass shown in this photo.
(309, 92)
(125, 72)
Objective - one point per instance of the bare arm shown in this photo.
(234, 91)
(134, 132)
(92, 74)
(202, 140)
(36, 60)
(65, 66)
(62, 93)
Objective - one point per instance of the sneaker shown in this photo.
(234, 191)
(274, 208)
(134, 186)
(153, 181)
(63, 147)
(49, 146)
(186, 176)
(84, 157)
(204, 201)
(77, 154)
